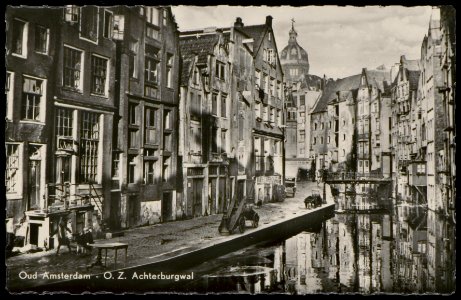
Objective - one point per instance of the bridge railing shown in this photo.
(336, 176)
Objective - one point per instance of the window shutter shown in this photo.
(119, 27)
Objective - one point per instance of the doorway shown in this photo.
(34, 230)
(167, 207)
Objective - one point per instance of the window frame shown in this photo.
(41, 106)
(9, 89)
(105, 93)
(24, 38)
(47, 40)
(82, 37)
(81, 75)
(20, 157)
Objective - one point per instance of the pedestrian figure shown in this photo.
(83, 239)
(63, 240)
(318, 177)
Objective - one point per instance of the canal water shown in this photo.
(405, 250)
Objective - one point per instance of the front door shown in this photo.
(167, 207)
(33, 238)
(197, 187)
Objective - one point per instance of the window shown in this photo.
(72, 68)
(196, 138)
(166, 169)
(99, 75)
(19, 45)
(302, 100)
(315, 126)
(165, 16)
(72, 13)
(133, 114)
(344, 137)
(272, 115)
(151, 70)
(9, 84)
(377, 158)
(266, 84)
(220, 71)
(224, 106)
(169, 71)
(223, 141)
(279, 89)
(265, 112)
(315, 140)
(279, 117)
(131, 168)
(322, 125)
(116, 165)
(41, 39)
(150, 165)
(89, 23)
(302, 135)
(32, 92)
(293, 72)
(118, 27)
(271, 87)
(152, 32)
(89, 141)
(12, 168)
(151, 127)
(108, 24)
(421, 169)
(328, 140)
(214, 142)
(258, 109)
(152, 15)
(321, 140)
(270, 56)
(167, 120)
(167, 142)
(214, 104)
(133, 138)
(257, 77)
(133, 57)
(64, 122)
(196, 106)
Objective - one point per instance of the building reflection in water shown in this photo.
(408, 249)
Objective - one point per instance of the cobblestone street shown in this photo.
(153, 243)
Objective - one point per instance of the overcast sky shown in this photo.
(339, 40)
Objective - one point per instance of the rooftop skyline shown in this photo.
(339, 40)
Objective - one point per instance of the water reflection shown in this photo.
(408, 250)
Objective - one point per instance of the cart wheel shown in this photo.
(255, 221)
(242, 225)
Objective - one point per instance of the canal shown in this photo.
(406, 249)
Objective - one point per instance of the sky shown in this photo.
(340, 41)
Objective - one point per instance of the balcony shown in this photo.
(354, 176)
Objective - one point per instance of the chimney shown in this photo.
(269, 21)
(238, 23)
(323, 82)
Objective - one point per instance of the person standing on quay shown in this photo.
(62, 236)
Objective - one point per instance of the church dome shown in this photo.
(293, 52)
(294, 56)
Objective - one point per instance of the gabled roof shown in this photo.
(329, 93)
(311, 81)
(254, 31)
(346, 87)
(200, 45)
